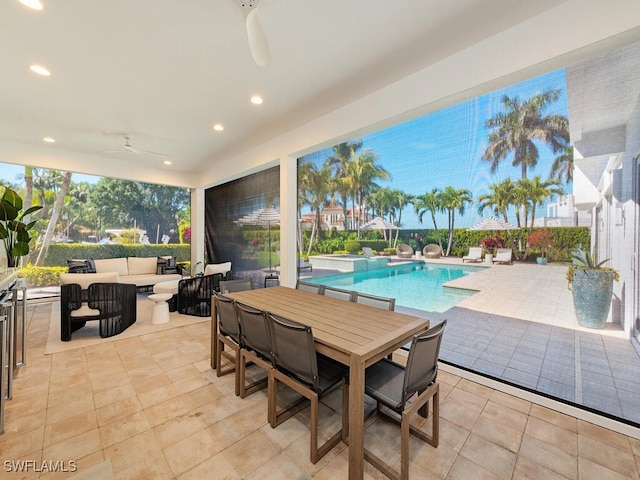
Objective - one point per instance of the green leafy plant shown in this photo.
(13, 231)
(584, 260)
(352, 246)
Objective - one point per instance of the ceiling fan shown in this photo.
(255, 34)
(127, 147)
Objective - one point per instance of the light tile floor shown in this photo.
(151, 407)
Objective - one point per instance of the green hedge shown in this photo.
(59, 253)
(41, 276)
(567, 240)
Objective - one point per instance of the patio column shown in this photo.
(288, 220)
(197, 226)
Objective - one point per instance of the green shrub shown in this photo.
(352, 246)
(41, 276)
(389, 251)
(59, 253)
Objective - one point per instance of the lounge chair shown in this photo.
(432, 250)
(404, 251)
(503, 255)
(367, 252)
(475, 255)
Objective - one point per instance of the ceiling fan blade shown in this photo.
(137, 150)
(257, 39)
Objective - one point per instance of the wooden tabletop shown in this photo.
(347, 327)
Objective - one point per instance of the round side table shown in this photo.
(160, 312)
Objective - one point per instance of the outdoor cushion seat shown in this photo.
(432, 250)
(404, 251)
(503, 255)
(475, 255)
(194, 294)
(96, 296)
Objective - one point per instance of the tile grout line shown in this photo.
(578, 368)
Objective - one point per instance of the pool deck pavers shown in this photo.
(521, 328)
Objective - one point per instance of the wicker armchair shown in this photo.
(432, 251)
(112, 304)
(194, 294)
(404, 251)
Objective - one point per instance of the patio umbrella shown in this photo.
(379, 223)
(263, 216)
(493, 223)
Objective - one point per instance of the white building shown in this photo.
(604, 121)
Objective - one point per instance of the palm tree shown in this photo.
(53, 221)
(454, 200)
(501, 197)
(318, 188)
(364, 171)
(515, 130)
(429, 202)
(343, 154)
(538, 192)
(563, 165)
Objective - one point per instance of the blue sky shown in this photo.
(15, 175)
(445, 148)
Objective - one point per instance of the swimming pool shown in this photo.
(417, 286)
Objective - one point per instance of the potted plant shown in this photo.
(541, 241)
(13, 231)
(490, 245)
(592, 287)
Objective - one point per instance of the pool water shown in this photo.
(417, 286)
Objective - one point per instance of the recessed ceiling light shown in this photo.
(34, 4)
(218, 127)
(256, 100)
(49, 140)
(168, 162)
(40, 70)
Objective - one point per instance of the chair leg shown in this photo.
(243, 389)
(276, 418)
(345, 411)
(419, 405)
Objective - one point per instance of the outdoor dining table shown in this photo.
(353, 334)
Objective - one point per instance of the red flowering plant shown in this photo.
(255, 241)
(541, 240)
(491, 243)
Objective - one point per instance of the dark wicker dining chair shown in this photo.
(392, 385)
(228, 335)
(255, 346)
(298, 366)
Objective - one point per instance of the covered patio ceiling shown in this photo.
(164, 72)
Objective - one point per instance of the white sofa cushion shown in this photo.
(145, 280)
(142, 265)
(86, 279)
(119, 265)
(222, 268)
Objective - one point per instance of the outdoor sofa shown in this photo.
(140, 271)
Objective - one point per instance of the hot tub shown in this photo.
(348, 263)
